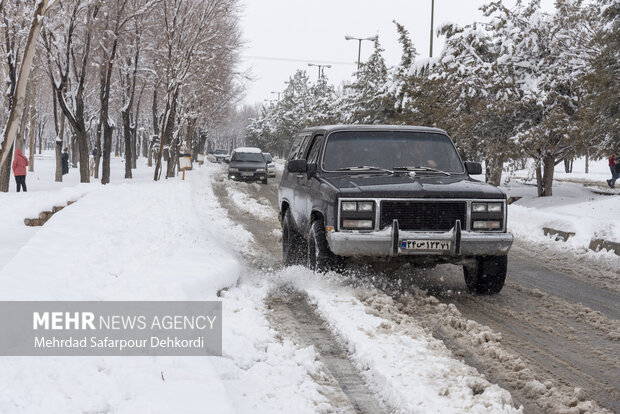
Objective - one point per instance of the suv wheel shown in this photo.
(487, 275)
(320, 258)
(293, 245)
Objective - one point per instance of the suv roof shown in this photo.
(332, 128)
(248, 149)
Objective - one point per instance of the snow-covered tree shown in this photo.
(368, 100)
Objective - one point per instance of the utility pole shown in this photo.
(432, 18)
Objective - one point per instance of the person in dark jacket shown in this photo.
(19, 169)
(65, 161)
(614, 167)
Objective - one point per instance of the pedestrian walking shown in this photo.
(19, 169)
(65, 161)
(614, 167)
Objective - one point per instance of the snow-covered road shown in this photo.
(550, 337)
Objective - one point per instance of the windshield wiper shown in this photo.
(365, 168)
(418, 168)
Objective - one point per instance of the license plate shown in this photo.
(247, 174)
(433, 245)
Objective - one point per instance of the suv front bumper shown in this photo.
(388, 242)
(249, 176)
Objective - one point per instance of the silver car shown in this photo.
(271, 167)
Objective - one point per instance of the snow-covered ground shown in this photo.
(581, 203)
(149, 241)
(171, 240)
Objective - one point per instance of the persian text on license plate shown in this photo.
(247, 174)
(439, 245)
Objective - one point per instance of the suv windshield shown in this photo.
(248, 156)
(268, 157)
(390, 150)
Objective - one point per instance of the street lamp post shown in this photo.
(321, 68)
(432, 18)
(359, 47)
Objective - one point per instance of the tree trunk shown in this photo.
(145, 146)
(173, 152)
(99, 152)
(539, 181)
(107, 150)
(32, 140)
(75, 152)
(82, 143)
(127, 139)
(5, 172)
(30, 47)
(40, 137)
(149, 155)
(58, 142)
(58, 178)
(549, 165)
(494, 168)
(134, 148)
(587, 163)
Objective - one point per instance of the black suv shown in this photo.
(391, 194)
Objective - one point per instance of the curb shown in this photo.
(595, 244)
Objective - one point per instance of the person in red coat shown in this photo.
(19, 169)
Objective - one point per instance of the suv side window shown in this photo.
(315, 149)
(298, 145)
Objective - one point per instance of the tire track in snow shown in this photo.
(293, 316)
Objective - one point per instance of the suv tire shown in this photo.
(293, 244)
(487, 275)
(320, 258)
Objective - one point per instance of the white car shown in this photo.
(218, 155)
(271, 167)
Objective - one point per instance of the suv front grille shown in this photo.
(423, 215)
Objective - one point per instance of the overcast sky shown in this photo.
(285, 35)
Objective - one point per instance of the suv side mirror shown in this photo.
(297, 166)
(473, 168)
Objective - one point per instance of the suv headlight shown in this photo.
(260, 170)
(361, 206)
(233, 169)
(357, 224)
(357, 215)
(494, 207)
(365, 206)
(349, 206)
(487, 215)
(478, 207)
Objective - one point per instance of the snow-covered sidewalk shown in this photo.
(151, 241)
